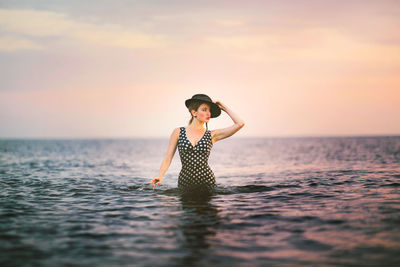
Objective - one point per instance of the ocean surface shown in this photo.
(329, 201)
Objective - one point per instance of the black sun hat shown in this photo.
(214, 108)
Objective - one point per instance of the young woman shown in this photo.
(194, 144)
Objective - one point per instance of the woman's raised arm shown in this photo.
(219, 134)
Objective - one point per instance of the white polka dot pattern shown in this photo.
(195, 173)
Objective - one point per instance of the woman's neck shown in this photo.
(196, 124)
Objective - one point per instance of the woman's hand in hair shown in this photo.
(221, 105)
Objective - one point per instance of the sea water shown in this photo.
(306, 201)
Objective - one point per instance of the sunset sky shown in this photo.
(72, 69)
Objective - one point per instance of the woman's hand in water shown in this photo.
(221, 105)
(156, 180)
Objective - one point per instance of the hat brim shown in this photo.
(214, 108)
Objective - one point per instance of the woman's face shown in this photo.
(203, 113)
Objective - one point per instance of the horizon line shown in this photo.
(160, 137)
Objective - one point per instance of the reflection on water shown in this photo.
(279, 202)
(197, 225)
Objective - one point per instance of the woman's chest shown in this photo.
(203, 145)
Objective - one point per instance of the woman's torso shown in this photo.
(201, 151)
(195, 169)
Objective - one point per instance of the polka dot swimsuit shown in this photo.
(195, 174)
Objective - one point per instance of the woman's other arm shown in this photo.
(172, 145)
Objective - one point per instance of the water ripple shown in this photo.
(279, 202)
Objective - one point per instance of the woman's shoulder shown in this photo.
(175, 134)
(176, 131)
(179, 130)
(212, 132)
